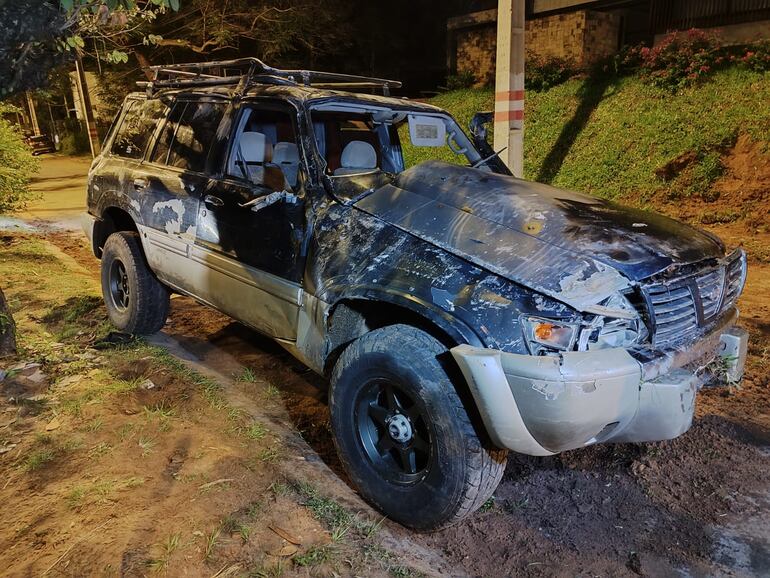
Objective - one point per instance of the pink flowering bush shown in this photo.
(755, 56)
(679, 59)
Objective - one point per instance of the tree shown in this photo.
(37, 35)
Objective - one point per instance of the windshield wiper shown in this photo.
(477, 164)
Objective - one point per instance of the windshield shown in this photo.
(368, 144)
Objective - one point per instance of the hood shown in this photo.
(573, 247)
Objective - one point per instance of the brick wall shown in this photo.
(582, 37)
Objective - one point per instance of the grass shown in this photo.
(147, 445)
(626, 130)
(248, 375)
(167, 549)
(256, 431)
(210, 543)
(315, 556)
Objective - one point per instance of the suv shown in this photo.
(458, 312)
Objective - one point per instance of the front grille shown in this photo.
(682, 306)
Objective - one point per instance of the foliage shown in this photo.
(544, 72)
(36, 36)
(680, 59)
(463, 79)
(17, 164)
(754, 57)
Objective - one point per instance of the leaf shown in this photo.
(174, 5)
(67, 5)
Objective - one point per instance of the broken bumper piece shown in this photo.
(541, 405)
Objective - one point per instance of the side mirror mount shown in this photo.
(479, 130)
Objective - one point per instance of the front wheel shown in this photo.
(404, 435)
(136, 301)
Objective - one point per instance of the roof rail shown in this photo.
(245, 72)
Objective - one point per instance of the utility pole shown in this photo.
(509, 84)
(88, 113)
(32, 114)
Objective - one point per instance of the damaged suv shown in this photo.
(458, 312)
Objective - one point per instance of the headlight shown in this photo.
(543, 334)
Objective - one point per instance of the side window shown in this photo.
(166, 136)
(264, 149)
(139, 121)
(195, 128)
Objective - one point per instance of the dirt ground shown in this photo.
(222, 465)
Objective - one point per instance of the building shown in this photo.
(584, 31)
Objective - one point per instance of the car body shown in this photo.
(40, 144)
(571, 320)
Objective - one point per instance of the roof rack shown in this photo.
(245, 72)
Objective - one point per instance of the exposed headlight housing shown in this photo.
(613, 323)
(549, 334)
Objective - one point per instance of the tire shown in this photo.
(440, 474)
(136, 301)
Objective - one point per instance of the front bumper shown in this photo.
(541, 405)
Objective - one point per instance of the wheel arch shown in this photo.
(113, 219)
(351, 316)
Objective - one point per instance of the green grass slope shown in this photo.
(618, 138)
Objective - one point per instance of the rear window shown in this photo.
(189, 133)
(140, 119)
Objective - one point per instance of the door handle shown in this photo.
(140, 184)
(213, 201)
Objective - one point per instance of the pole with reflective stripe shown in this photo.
(509, 84)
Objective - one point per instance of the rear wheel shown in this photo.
(403, 434)
(136, 301)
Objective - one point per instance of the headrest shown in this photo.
(255, 147)
(285, 153)
(358, 154)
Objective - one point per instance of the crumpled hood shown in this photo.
(575, 248)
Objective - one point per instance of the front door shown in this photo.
(250, 223)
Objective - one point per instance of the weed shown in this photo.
(254, 510)
(41, 456)
(229, 525)
(100, 450)
(271, 392)
(245, 532)
(147, 445)
(339, 532)
(126, 431)
(325, 509)
(133, 482)
(269, 455)
(75, 497)
(211, 540)
(248, 375)
(512, 506)
(280, 489)
(315, 556)
(160, 413)
(488, 505)
(370, 528)
(94, 425)
(256, 431)
(167, 548)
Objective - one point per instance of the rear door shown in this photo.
(113, 177)
(171, 183)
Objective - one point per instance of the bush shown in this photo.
(17, 165)
(463, 79)
(680, 59)
(755, 56)
(544, 72)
